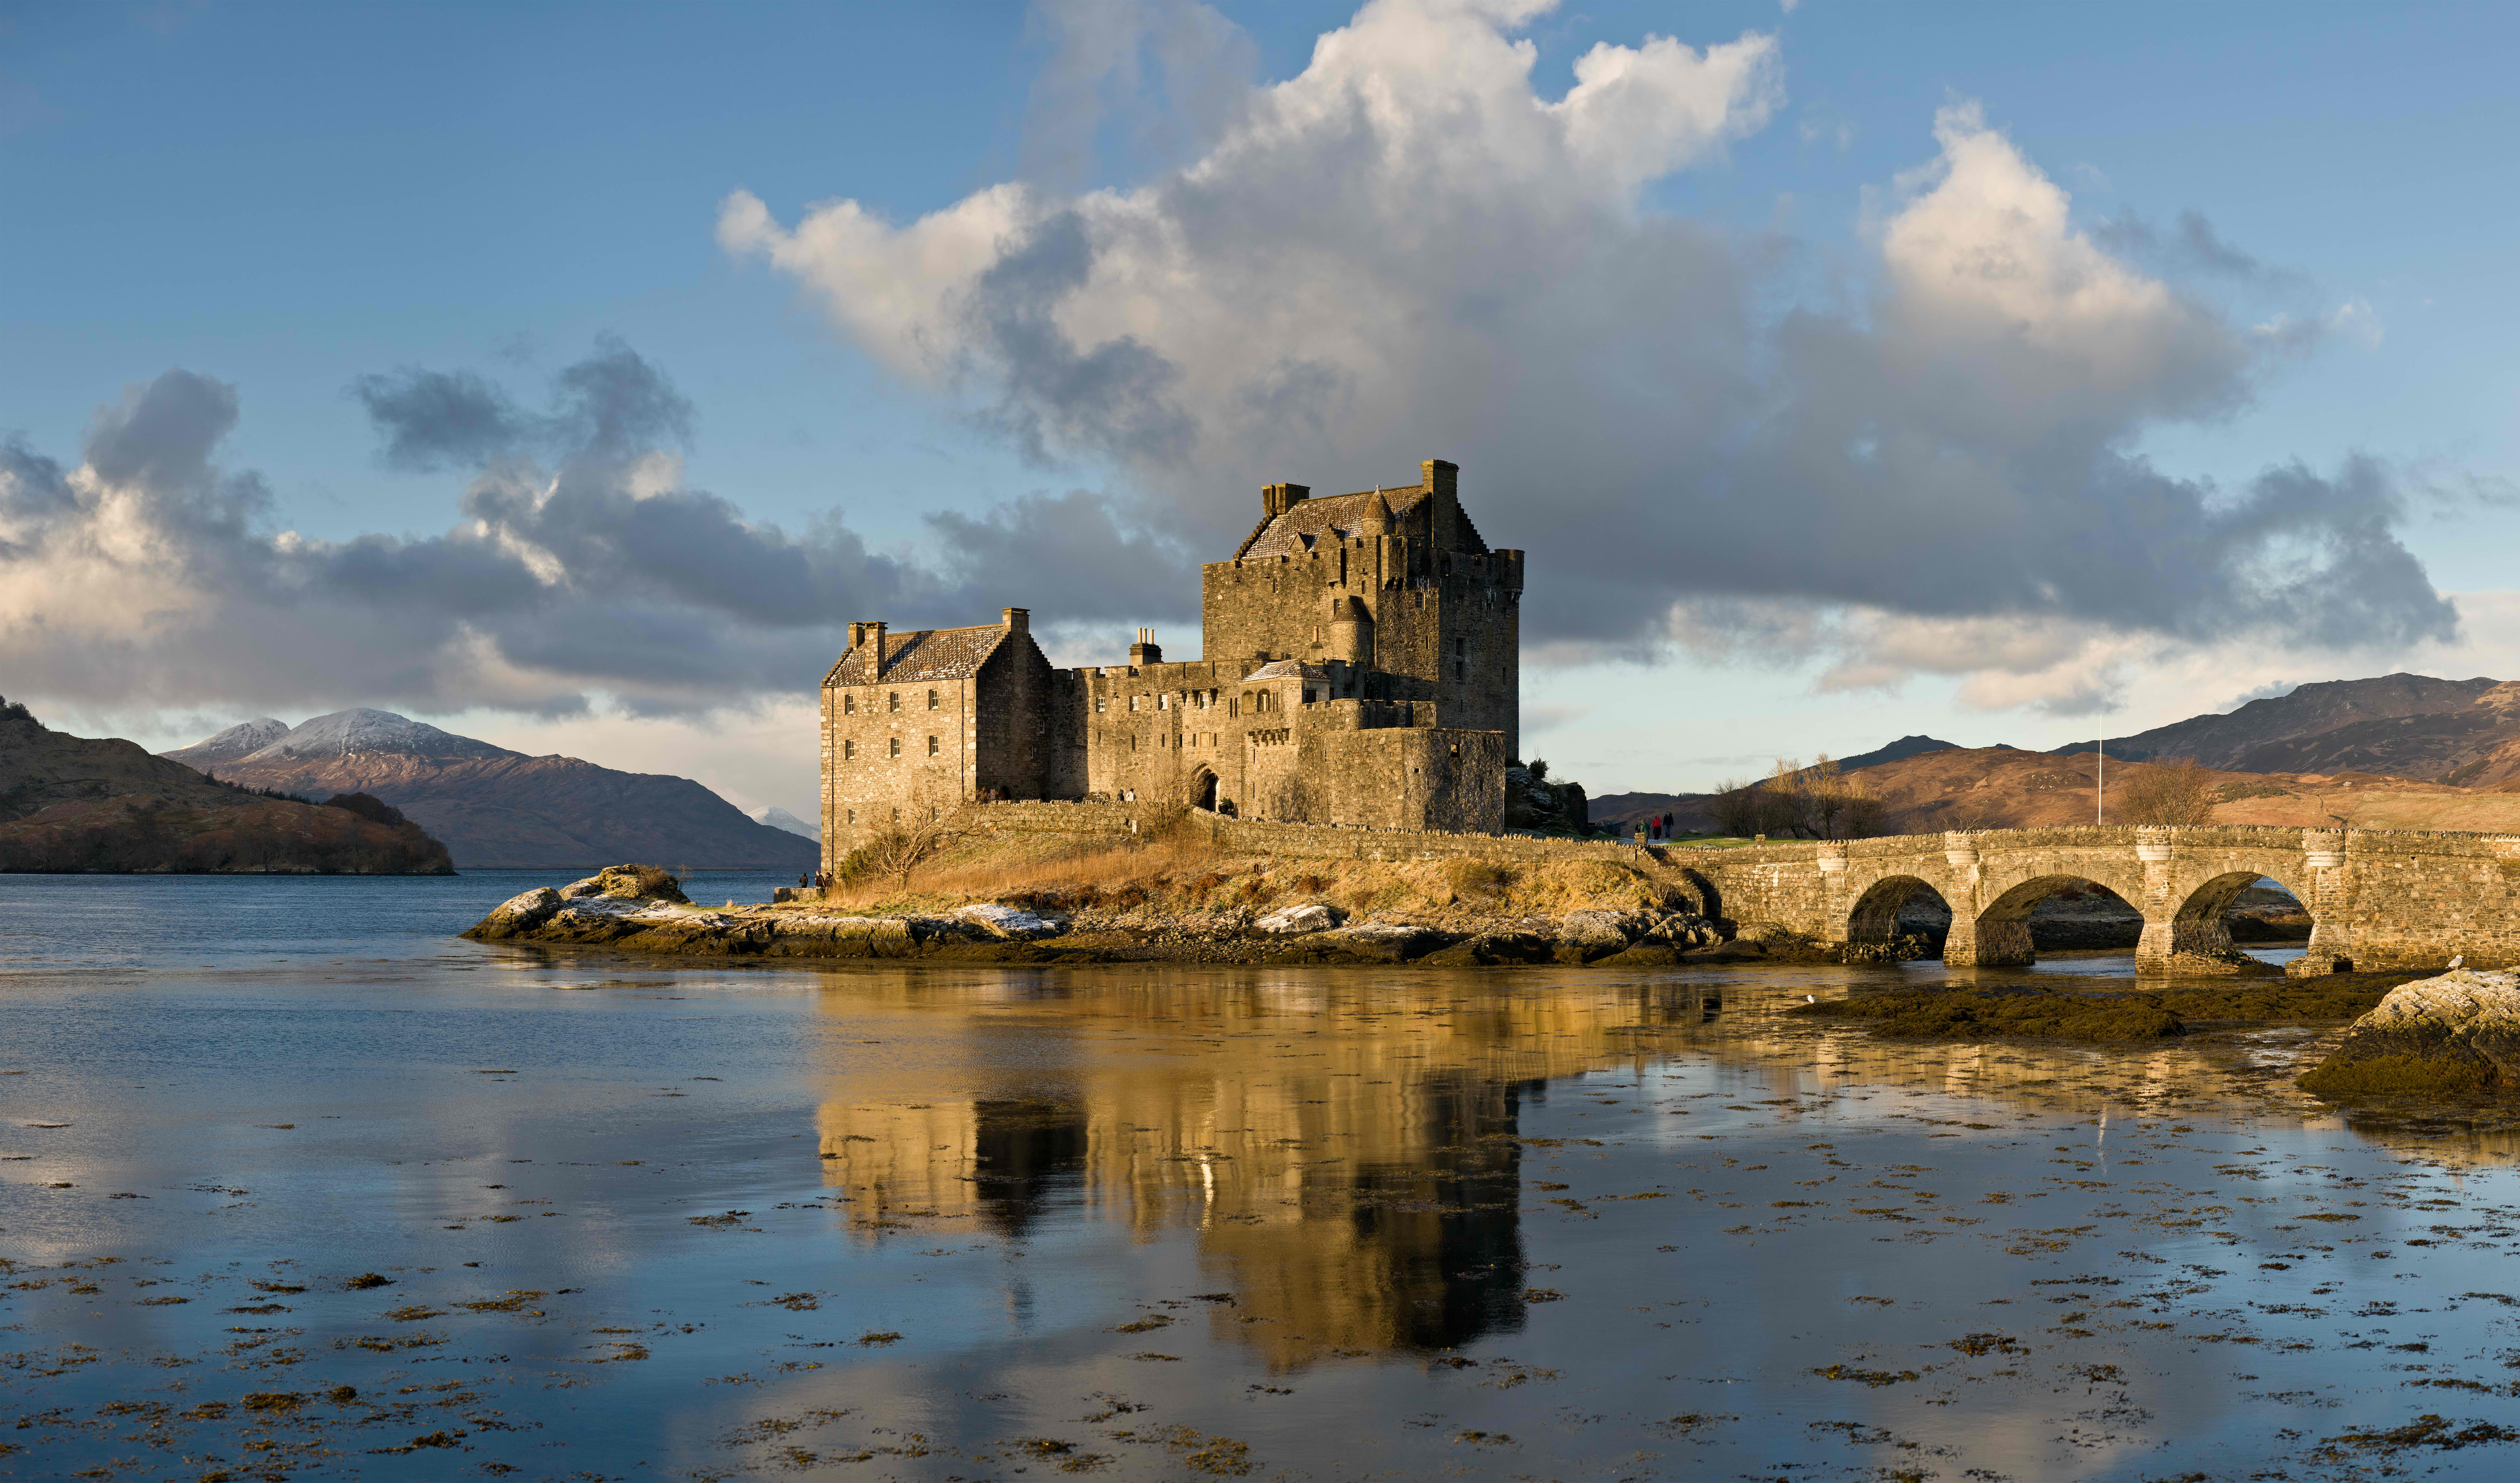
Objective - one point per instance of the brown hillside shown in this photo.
(2464, 732)
(76, 804)
(1997, 787)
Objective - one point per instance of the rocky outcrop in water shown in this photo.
(2459, 1032)
(641, 909)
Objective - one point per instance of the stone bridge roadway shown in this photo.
(2378, 898)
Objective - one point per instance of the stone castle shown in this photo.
(1362, 666)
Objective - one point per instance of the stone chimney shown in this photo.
(1145, 650)
(871, 635)
(1015, 619)
(1442, 482)
(1277, 499)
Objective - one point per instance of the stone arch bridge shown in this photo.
(2376, 898)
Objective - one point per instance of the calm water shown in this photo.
(700, 1221)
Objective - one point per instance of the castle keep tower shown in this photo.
(1362, 666)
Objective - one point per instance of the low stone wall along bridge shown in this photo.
(2377, 899)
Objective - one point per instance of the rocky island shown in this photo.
(1453, 913)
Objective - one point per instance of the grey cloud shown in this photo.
(1071, 556)
(435, 419)
(1112, 398)
(2190, 245)
(610, 406)
(563, 581)
(1390, 256)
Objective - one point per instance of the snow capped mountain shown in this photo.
(779, 818)
(361, 730)
(233, 743)
(501, 809)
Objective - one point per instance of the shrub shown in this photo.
(370, 807)
(1477, 880)
(2176, 790)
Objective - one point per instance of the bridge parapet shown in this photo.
(2376, 898)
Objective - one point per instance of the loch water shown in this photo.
(705, 1220)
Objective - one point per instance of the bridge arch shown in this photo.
(2200, 925)
(1875, 915)
(2000, 933)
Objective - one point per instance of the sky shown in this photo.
(570, 376)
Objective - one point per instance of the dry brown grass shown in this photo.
(1176, 876)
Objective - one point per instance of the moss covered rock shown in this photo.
(2457, 1033)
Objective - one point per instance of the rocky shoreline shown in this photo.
(639, 909)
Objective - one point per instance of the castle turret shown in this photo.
(1351, 631)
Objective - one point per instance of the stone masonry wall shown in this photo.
(2377, 899)
(934, 771)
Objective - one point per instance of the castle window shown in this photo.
(1309, 697)
(932, 746)
(848, 750)
(892, 699)
(934, 813)
(931, 700)
(1133, 703)
(1460, 646)
(1163, 702)
(896, 816)
(1097, 705)
(848, 705)
(897, 746)
(853, 816)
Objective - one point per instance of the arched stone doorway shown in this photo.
(1202, 790)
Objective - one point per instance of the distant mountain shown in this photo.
(1898, 750)
(2464, 731)
(231, 743)
(779, 818)
(76, 803)
(1690, 811)
(499, 809)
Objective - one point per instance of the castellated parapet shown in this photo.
(1362, 666)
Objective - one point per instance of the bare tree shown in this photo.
(2173, 790)
(902, 849)
(1814, 802)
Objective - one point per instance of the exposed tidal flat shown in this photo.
(299, 1183)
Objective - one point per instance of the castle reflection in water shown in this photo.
(1350, 1151)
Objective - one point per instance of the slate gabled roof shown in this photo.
(1338, 516)
(1287, 669)
(920, 655)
